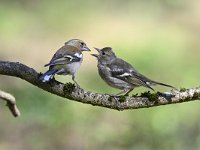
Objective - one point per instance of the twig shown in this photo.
(11, 103)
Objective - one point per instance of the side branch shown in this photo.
(71, 92)
(11, 103)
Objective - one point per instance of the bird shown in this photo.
(66, 60)
(120, 74)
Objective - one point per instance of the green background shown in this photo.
(159, 37)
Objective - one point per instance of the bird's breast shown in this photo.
(73, 67)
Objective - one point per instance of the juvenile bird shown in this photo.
(120, 74)
(66, 61)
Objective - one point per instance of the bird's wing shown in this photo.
(124, 71)
(65, 55)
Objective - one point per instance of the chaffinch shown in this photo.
(120, 74)
(66, 61)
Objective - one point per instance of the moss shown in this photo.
(135, 95)
(122, 98)
(110, 99)
(196, 95)
(39, 74)
(150, 96)
(68, 88)
(186, 99)
(183, 89)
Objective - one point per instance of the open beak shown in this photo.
(95, 55)
(85, 48)
(98, 50)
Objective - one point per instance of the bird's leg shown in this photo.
(73, 78)
(128, 91)
(125, 90)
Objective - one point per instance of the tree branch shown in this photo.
(72, 92)
(11, 103)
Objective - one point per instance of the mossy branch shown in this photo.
(74, 93)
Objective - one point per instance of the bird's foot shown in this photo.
(77, 85)
(112, 97)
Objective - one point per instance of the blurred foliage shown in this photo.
(159, 37)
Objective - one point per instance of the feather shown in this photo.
(47, 76)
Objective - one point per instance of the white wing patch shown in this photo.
(125, 74)
(68, 56)
(147, 83)
(78, 55)
(47, 78)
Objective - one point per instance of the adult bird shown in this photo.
(120, 74)
(66, 60)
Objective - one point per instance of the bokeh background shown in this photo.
(161, 38)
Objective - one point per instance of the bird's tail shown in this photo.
(47, 76)
(158, 83)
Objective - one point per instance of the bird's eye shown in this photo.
(103, 53)
(82, 43)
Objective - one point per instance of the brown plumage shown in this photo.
(66, 61)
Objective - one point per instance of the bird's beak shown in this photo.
(98, 50)
(95, 55)
(85, 48)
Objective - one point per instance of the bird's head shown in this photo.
(105, 54)
(78, 44)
